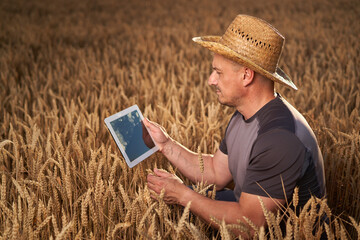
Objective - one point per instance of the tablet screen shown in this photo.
(131, 135)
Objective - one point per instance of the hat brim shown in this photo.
(212, 43)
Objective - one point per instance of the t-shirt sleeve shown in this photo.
(223, 147)
(275, 164)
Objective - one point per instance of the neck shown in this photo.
(254, 102)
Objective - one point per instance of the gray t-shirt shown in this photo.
(274, 150)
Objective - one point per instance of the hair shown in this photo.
(262, 79)
(236, 66)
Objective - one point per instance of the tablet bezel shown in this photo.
(120, 114)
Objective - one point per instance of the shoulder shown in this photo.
(275, 115)
(234, 121)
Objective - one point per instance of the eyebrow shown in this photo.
(216, 69)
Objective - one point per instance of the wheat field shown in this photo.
(67, 65)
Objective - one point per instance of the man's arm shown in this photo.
(216, 170)
(177, 193)
(248, 206)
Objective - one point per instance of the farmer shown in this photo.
(268, 148)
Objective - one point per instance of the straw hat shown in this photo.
(251, 42)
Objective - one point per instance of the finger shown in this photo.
(162, 173)
(155, 125)
(151, 124)
(150, 176)
(151, 181)
(156, 187)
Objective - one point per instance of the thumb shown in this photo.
(146, 122)
(152, 126)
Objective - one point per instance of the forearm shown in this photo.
(188, 162)
(231, 212)
(214, 170)
(211, 210)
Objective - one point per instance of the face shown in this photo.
(226, 79)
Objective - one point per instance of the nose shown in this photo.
(212, 78)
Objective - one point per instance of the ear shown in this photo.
(248, 77)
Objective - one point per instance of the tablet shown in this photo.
(131, 135)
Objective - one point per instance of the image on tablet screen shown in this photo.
(132, 135)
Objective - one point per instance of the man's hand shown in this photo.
(172, 185)
(157, 132)
(146, 137)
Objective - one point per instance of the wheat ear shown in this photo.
(143, 219)
(64, 231)
(119, 226)
(201, 161)
(184, 216)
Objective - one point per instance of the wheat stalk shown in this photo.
(184, 216)
(153, 229)
(41, 225)
(7, 229)
(84, 208)
(224, 231)
(16, 226)
(64, 231)
(201, 161)
(125, 197)
(268, 217)
(55, 225)
(3, 189)
(329, 233)
(356, 225)
(140, 227)
(93, 211)
(119, 226)
(197, 234)
(252, 225)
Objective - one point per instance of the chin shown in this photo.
(224, 103)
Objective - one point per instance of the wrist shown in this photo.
(167, 147)
(185, 196)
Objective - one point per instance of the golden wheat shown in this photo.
(65, 67)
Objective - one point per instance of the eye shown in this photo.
(217, 71)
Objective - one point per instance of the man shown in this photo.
(268, 148)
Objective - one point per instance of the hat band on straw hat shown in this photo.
(251, 42)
